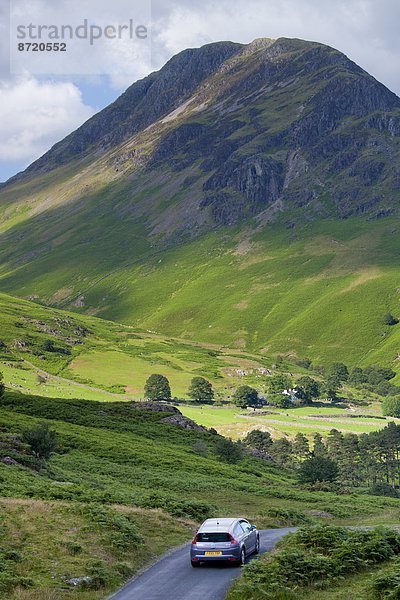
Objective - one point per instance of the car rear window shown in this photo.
(218, 536)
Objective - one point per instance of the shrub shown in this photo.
(124, 534)
(391, 406)
(316, 556)
(383, 489)
(200, 448)
(390, 320)
(228, 450)
(179, 508)
(2, 387)
(304, 362)
(41, 439)
(99, 576)
(387, 586)
(73, 548)
(290, 517)
(318, 468)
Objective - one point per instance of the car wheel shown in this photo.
(257, 550)
(242, 559)
(195, 563)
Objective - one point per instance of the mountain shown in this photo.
(243, 194)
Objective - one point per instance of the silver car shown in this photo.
(224, 539)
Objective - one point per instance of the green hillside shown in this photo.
(94, 359)
(123, 486)
(244, 196)
(321, 290)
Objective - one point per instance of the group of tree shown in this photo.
(282, 390)
(375, 379)
(158, 388)
(369, 459)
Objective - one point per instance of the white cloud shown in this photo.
(100, 38)
(35, 115)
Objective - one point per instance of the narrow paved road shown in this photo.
(173, 578)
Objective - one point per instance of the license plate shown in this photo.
(213, 554)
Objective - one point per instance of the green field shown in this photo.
(234, 423)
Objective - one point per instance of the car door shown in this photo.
(240, 534)
(250, 536)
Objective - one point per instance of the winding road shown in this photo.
(173, 578)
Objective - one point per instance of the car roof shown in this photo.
(219, 524)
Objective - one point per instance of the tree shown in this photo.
(376, 375)
(339, 371)
(157, 388)
(308, 388)
(2, 387)
(318, 468)
(334, 444)
(201, 390)
(390, 320)
(281, 451)
(278, 383)
(330, 388)
(391, 406)
(280, 400)
(318, 445)
(357, 376)
(276, 386)
(245, 396)
(227, 450)
(259, 440)
(41, 439)
(300, 446)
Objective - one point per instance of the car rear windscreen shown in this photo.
(214, 537)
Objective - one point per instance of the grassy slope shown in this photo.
(118, 456)
(321, 291)
(108, 360)
(354, 581)
(59, 540)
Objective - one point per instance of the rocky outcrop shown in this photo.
(142, 104)
(237, 129)
(156, 407)
(184, 422)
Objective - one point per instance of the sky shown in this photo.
(38, 108)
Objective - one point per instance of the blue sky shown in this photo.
(36, 111)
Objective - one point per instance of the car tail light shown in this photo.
(233, 540)
(194, 540)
